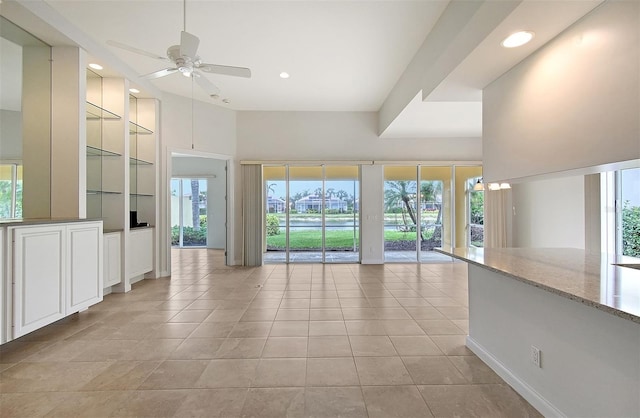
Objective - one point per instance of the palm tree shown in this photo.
(428, 192)
(401, 192)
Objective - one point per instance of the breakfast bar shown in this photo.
(560, 325)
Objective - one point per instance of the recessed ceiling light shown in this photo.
(132, 90)
(284, 75)
(95, 66)
(517, 39)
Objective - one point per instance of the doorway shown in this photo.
(189, 212)
(198, 202)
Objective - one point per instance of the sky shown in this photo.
(631, 186)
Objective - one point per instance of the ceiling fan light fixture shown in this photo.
(96, 66)
(518, 39)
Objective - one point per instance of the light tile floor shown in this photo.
(299, 340)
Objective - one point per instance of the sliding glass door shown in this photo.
(400, 213)
(189, 212)
(435, 211)
(311, 214)
(424, 209)
(274, 243)
(306, 217)
(342, 223)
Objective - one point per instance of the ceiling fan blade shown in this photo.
(205, 84)
(160, 73)
(225, 70)
(136, 50)
(188, 44)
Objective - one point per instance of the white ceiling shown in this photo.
(342, 55)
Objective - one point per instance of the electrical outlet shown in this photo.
(536, 356)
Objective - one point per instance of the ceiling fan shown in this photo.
(186, 61)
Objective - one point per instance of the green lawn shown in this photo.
(313, 239)
(301, 240)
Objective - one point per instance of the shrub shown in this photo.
(273, 225)
(189, 236)
(630, 230)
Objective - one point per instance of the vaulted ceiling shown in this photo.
(421, 64)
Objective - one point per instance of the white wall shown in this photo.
(214, 135)
(214, 171)
(549, 213)
(590, 358)
(372, 215)
(297, 136)
(573, 104)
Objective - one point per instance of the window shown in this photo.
(10, 191)
(475, 214)
(628, 213)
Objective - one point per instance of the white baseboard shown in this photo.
(372, 261)
(534, 398)
(136, 279)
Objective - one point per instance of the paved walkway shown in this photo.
(275, 257)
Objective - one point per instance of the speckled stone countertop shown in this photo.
(590, 279)
(41, 221)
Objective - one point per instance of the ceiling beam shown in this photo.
(461, 28)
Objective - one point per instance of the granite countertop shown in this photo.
(41, 221)
(594, 280)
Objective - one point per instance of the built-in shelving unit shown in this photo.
(104, 150)
(121, 154)
(142, 157)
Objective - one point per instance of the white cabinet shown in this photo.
(112, 259)
(5, 288)
(38, 277)
(56, 270)
(140, 258)
(84, 258)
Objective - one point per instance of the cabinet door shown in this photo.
(112, 268)
(140, 259)
(84, 257)
(38, 277)
(4, 291)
